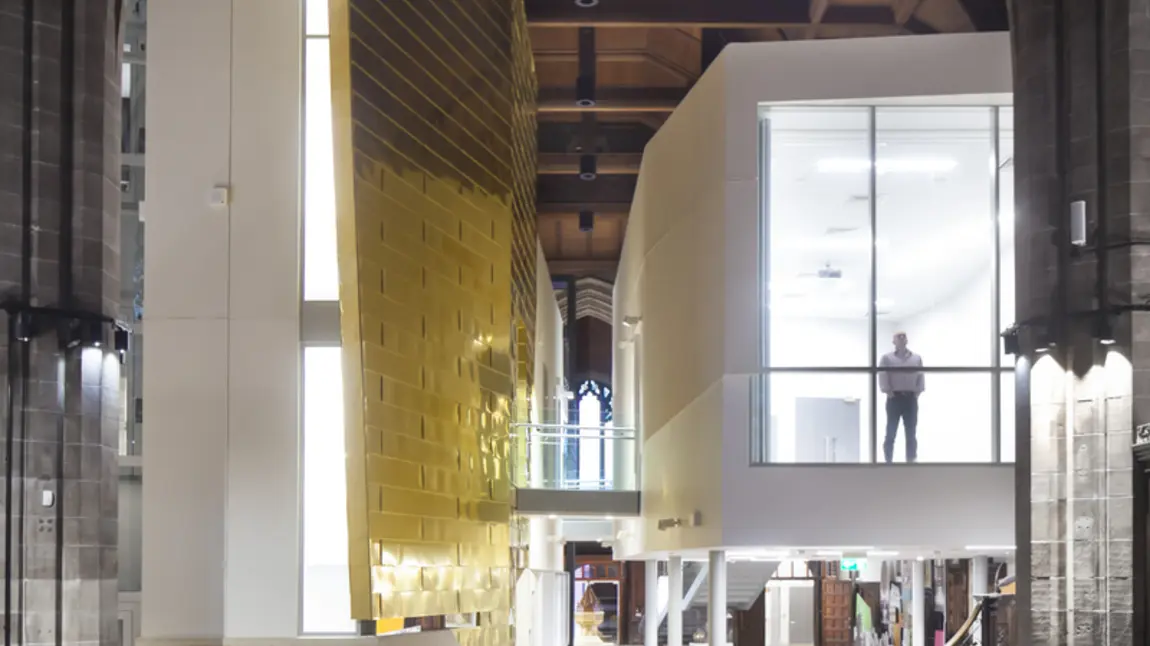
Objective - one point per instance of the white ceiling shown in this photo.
(934, 233)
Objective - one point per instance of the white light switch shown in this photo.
(47, 498)
(220, 196)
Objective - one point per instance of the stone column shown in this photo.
(1079, 407)
(59, 269)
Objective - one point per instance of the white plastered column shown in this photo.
(221, 519)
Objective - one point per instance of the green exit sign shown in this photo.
(852, 565)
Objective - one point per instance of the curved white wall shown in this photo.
(689, 270)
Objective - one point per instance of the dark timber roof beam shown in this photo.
(991, 15)
(699, 13)
(613, 100)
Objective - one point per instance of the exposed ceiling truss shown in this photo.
(611, 73)
(593, 299)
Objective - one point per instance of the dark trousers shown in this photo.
(902, 406)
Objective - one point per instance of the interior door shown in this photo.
(826, 430)
(801, 615)
(836, 612)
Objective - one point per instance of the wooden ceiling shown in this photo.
(631, 61)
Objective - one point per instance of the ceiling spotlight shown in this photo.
(588, 168)
(586, 4)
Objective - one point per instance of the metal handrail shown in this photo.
(573, 427)
(565, 436)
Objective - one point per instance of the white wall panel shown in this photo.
(189, 152)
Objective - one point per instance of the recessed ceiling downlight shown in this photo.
(586, 4)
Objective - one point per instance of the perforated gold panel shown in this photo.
(434, 144)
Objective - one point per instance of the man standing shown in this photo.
(902, 386)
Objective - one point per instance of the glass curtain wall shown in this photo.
(325, 587)
(887, 269)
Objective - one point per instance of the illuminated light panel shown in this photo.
(892, 165)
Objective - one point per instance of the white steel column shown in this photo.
(918, 605)
(979, 573)
(717, 599)
(675, 601)
(651, 603)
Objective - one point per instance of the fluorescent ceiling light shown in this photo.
(858, 242)
(892, 165)
(990, 548)
(757, 556)
(882, 553)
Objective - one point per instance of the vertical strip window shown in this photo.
(326, 590)
(320, 266)
(1006, 276)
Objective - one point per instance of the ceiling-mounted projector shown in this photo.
(830, 272)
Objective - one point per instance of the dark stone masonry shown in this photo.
(59, 269)
(1082, 119)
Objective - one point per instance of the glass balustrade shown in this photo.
(573, 457)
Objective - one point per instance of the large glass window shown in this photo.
(886, 246)
(820, 417)
(935, 225)
(819, 237)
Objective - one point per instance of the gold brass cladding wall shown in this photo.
(433, 103)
